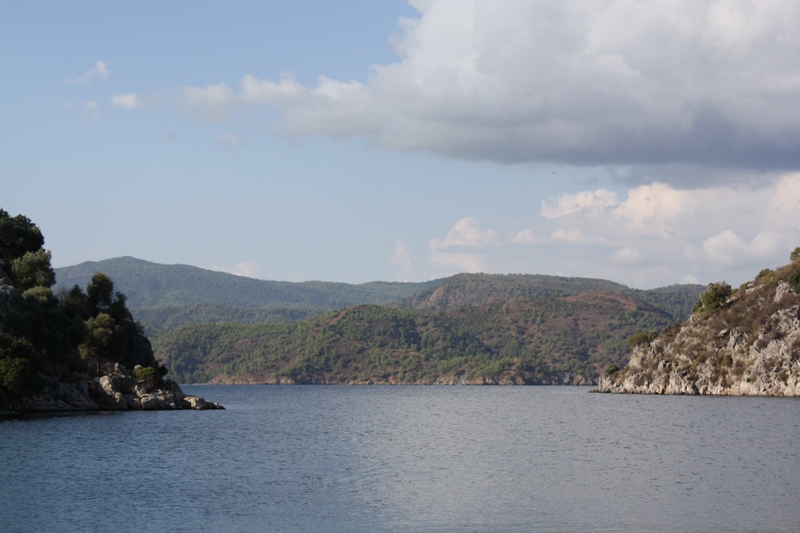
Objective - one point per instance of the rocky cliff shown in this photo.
(749, 346)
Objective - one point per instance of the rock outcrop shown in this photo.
(114, 390)
(748, 347)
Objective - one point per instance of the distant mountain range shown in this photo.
(165, 297)
(469, 328)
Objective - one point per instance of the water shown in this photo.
(337, 458)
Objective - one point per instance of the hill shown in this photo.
(743, 342)
(167, 296)
(566, 339)
(475, 289)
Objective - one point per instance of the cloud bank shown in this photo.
(652, 235)
(614, 82)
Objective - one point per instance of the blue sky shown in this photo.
(355, 141)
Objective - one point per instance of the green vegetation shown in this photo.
(475, 289)
(45, 335)
(795, 255)
(152, 377)
(713, 297)
(794, 279)
(643, 337)
(165, 297)
(523, 340)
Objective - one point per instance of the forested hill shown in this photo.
(519, 341)
(476, 289)
(164, 297)
(155, 285)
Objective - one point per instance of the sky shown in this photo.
(649, 143)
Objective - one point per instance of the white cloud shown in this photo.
(125, 101)
(247, 269)
(91, 109)
(465, 232)
(584, 201)
(453, 253)
(706, 82)
(230, 141)
(727, 248)
(646, 236)
(402, 258)
(98, 71)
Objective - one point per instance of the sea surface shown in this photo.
(410, 458)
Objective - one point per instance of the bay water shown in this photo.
(410, 458)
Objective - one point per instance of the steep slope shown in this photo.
(518, 341)
(749, 346)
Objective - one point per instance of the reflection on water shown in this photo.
(339, 458)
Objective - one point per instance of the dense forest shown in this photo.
(522, 340)
(47, 335)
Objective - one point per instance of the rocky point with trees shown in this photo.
(72, 350)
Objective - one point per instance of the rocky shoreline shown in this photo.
(749, 347)
(114, 390)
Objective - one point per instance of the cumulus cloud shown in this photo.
(99, 71)
(458, 251)
(246, 269)
(645, 236)
(620, 82)
(582, 202)
(125, 101)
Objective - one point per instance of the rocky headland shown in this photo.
(747, 344)
(115, 389)
(74, 350)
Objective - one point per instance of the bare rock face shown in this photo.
(115, 390)
(749, 347)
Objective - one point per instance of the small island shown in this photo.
(743, 342)
(77, 350)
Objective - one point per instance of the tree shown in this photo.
(33, 270)
(100, 290)
(104, 338)
(795, 255)
(18, 235)
(713, 297)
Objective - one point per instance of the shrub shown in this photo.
(764, 272)
(19, 377)
(795, 255)
(151, 377)
(713, 297)
(644, 337)
(612, 369)
(794, 280)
